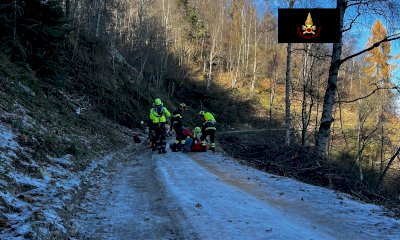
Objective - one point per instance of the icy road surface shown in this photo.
(209, 196)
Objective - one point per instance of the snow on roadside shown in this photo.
(34, 196)
(226, 200)
(47, 197)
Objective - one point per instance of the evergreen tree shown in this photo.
(378, 58)
(377, 74)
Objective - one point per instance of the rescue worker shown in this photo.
(191, 140)
(207, 129)
(187, 135)
(177, 124)
(158, 116)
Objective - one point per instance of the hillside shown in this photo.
(47, 148)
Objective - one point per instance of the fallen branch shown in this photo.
(388, 166)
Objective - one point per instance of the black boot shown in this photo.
(174, 148)
(178, 147)
(159, 151)
(163, 150)
(212, 149)
(203, 148)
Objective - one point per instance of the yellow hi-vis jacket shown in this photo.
(209, 117)
(159, 114)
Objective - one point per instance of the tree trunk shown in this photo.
(287, 96)
(202, 57)
(240, 53)
(304, 114)
(98, 19)
(359, 134)
(287, 88)
(382, 150)
(359, 156)
(247, 47)
(210, 64)
(255, 56)
(166, 10)
(98, 22)
(330, 142)
(352, 76)
(317, 107)
(214, 45)
(322, 138)
(381, 122)
(396, 154)
(272, 88)
(15, 22)
(67, 8)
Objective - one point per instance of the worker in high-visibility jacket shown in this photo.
(177, 124)
(159, 115)
(192, 140)
(207, 129)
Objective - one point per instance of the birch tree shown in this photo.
(390, 8)
(288, 86)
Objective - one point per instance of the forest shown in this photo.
(329, 112)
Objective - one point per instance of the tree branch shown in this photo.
(375, 45)
(352, 21)
(319, 56)
(359, 2)
(364, 143)
(368, 95)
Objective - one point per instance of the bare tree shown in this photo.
(256, 38)
(274, 79)
(378, 6)
(67, 8)
(217, 26)
(288, 86)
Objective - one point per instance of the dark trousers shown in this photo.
(204, 134)
(160, 135)
(208, 129)
(179, 134)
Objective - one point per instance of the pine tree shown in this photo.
(378, 73)
(378, 58)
